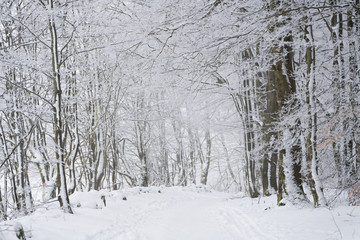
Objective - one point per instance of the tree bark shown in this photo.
(63, 196)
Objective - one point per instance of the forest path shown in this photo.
(183, 213)
(179, 216)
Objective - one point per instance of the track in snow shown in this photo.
(189, 215)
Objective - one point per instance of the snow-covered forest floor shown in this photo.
(160, 213)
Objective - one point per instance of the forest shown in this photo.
(254, 96)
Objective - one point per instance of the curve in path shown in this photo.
(193, 218)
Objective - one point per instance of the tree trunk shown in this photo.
(57, 116)
(205, 169)
(353, 30)
(270, 157)
(282, 75)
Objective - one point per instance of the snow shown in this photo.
(178, 213)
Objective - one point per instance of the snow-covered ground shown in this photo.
(183, 214)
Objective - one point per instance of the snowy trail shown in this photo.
(192, 217)
(190, 213)
(241, 226)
